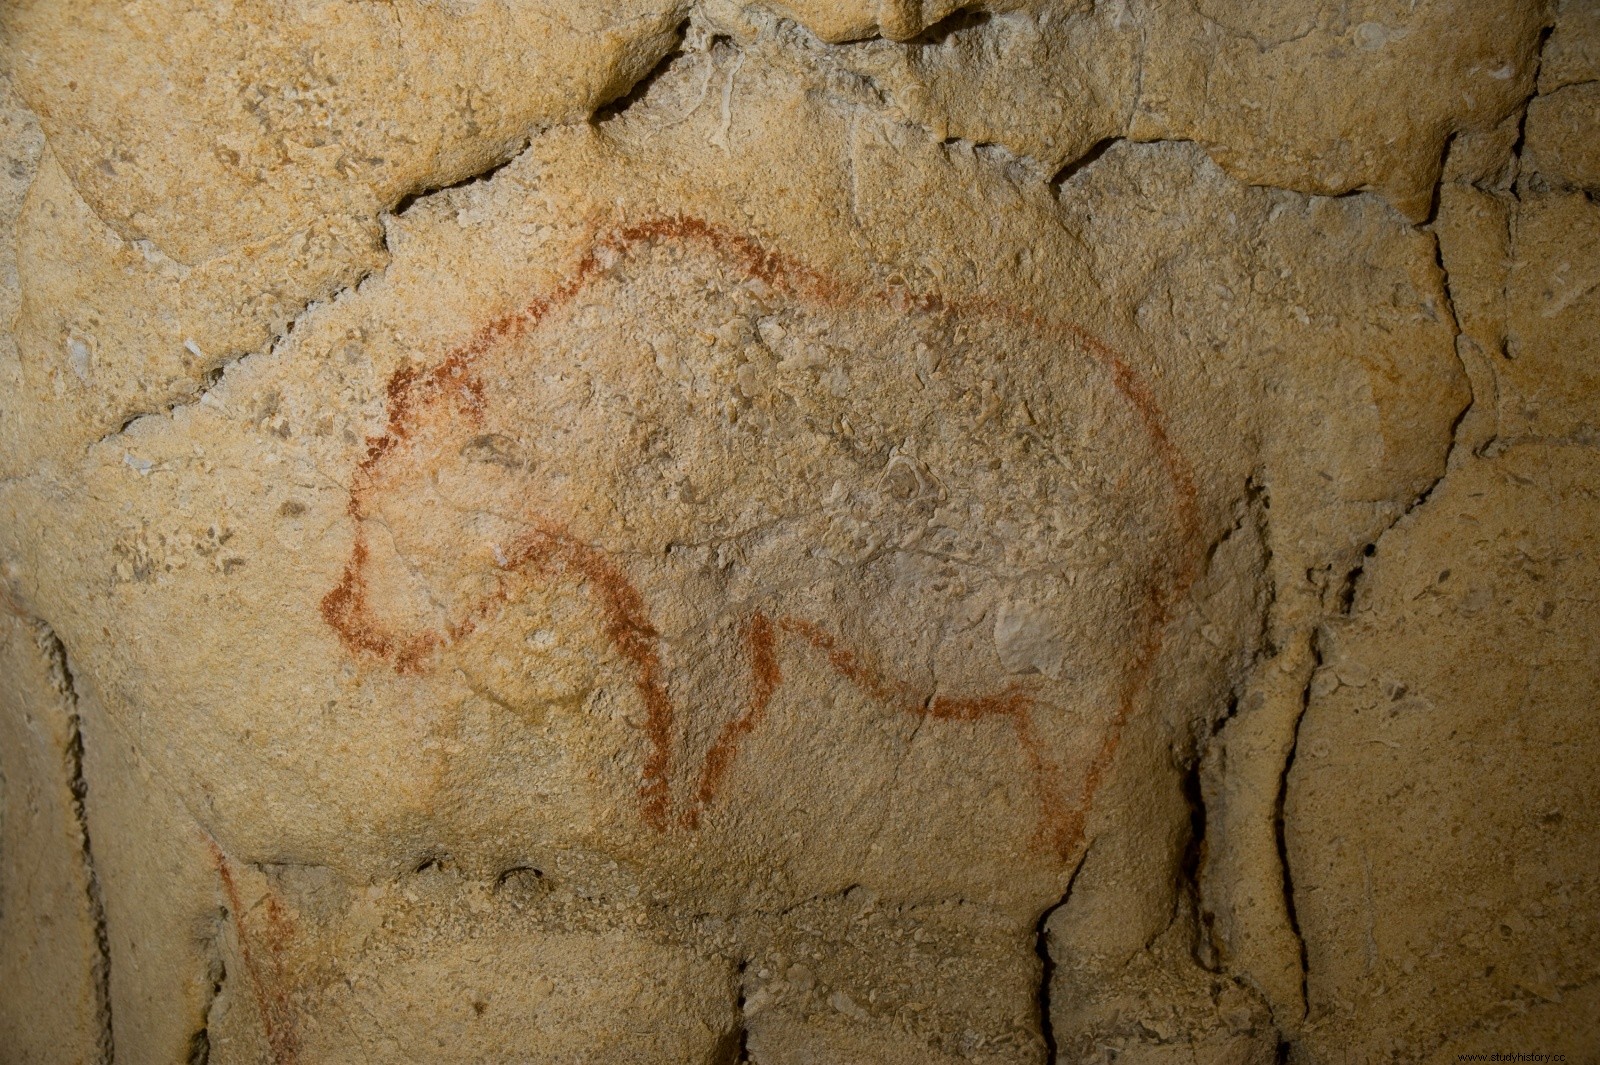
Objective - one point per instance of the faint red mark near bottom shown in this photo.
(549, 551)
(272, 997)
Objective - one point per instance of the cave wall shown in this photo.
(799, 533)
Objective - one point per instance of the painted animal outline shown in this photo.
(548, 551)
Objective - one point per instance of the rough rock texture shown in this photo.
(1441, 808)
(50, 910)
(812, 533)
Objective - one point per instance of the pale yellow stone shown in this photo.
(1441, 808)
(1571, 56)
(1549, 380)
(50, 960)
(824, 546)
(1559, 148)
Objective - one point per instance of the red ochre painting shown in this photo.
(454, 388)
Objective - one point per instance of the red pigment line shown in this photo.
(1011, 703)
(1135, 683)
(1128, 382)
(1055, 830)
(346, 610)
(1136, 391)
(627, 627)
(409, 387)
(271, 1003)
(767, 676)
(844, 662)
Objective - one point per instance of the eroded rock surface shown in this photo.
(862, 533)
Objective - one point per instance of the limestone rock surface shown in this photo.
(810, 532)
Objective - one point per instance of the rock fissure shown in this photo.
(200, 1042)
(422, 194)
(1071, 169)
(401, 205)
(1047, 962)
(67, 686)
(1517, 145)
(1280, 823)
(218, 372)
(745, 393)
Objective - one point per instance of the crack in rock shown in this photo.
(66, 685)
